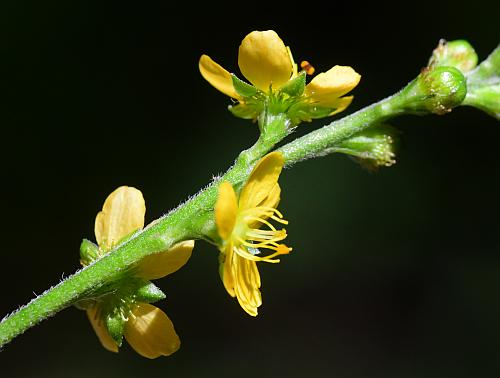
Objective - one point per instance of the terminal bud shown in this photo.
(459, 54)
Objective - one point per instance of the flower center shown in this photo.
(248, 238)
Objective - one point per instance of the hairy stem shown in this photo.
(194, 218)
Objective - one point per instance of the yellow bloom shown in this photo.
(268, 64)
(239, 222)
(147, 328)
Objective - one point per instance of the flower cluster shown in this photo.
(245, 228)
(267, 63)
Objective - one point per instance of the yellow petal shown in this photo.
(226, 209)
(332, 84)
(262, 180)
(217, 76)
(341, 104)
(163, 263)
(225, 269)
(150, 332)
(122, 213)
(247, 284)
(101, 330)
(273, 199)
(264, 60)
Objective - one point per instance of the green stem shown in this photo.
(194, 218)
(323, 141)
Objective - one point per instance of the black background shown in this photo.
(393, 274)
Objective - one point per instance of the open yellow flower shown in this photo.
(268, 64)
(238, 223)
(146, 328)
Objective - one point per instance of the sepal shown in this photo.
(306, 112)
(245, 111)
(242, 88)
(296, 86)
(115, 324)
(149, 293)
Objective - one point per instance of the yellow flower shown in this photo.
(147, 328)
(238, 223)
(268, 64)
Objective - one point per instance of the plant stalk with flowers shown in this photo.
(237, 212)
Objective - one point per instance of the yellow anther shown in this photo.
(283, 249)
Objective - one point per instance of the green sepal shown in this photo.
(84, 304)
(149, 293)
(304, 111)
(296, 86)
(115, 324)
(88, 252)
(242, 88)
(244, 111)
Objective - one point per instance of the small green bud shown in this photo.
(459, 54)
(115, 323)
(149, 293)
(372, 148)
(88, 252)
(436, 90)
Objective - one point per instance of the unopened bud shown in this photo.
(459, 54)
(436, 90)
(373, 148)
(88, 252)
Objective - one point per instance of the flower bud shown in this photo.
(459, 54)
(436, 90)
(372, 148)
(88, 252)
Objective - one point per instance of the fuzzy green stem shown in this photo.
(194, 219)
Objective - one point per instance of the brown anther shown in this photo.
(307, 67)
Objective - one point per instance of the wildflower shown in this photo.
(126, 311)
(238, 223)
(268, 65)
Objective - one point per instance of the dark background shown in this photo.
(393, 274)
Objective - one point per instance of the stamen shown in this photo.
(307, 67)
(282, 221)
(263, 221)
